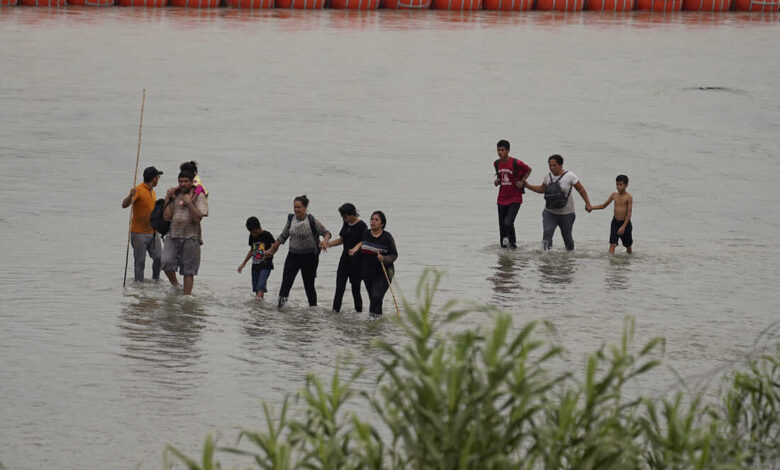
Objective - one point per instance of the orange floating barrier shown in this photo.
(753, 5)
(194, 3)
(354, 4)
(456, 4)
(659, 5)
(7, 3)
(92, 3)
(706, 5)
(560, 5)
(250, 3)
(406, 4)
(508, 5)
(43, 3)
(142, 3)
(301, 4)
(611, 5)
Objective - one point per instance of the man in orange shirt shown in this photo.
(142, 235)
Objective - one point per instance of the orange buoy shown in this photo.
(753, 5)
(250, 3)
(142, 3)
(560, 5)
(44, 3)
(610, 5)
(406, 4)
(706, 5)
(456, 4)
(659, 5)
(508, 5)
(354, 4)
(194, 3)
(301, 4)
(7, 3)
(92, 3)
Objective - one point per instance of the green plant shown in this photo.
(492, 399)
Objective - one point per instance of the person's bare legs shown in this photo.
(172, 277)
(189, 281)
(628, 250)
(612, 247)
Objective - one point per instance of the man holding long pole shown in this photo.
(142, 236)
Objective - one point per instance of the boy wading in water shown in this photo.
(621, 222)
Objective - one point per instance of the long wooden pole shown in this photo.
(135, 180)
(398, 310)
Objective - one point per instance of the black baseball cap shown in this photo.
(150, 172)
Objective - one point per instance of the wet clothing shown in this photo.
(550, 222)
(373, 274)
(303, 255)
(143, 203)
(508, 193)
(349, 266)
(627, 238)
(506, 222)
(567, 182)
(182, 254)
(182, 223)
(144, 243)
(259, 245)
(260, 279)
(306, 263)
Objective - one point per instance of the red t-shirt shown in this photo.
(508, 193)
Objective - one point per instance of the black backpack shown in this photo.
(515, 170)
(553, 194)
(159, 224)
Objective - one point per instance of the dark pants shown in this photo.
(146, 243)
(305, 263)
(349, 269)
(506, 221)
(376, 285)
(550, 221)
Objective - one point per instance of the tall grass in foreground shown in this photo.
(488, 399)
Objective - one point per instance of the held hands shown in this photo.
(588, 207)
(324, 245)
(352, 251)
(519, 184)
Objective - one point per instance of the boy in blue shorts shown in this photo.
(621, 222)
(259, 241)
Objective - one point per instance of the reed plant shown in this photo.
(493, 398)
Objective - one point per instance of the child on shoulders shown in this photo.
(621, 221)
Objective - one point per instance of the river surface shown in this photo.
(388, 110)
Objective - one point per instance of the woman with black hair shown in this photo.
(304, 232)
(377, 250)
(349, 265)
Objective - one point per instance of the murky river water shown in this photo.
(391, 111)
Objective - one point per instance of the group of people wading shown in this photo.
(511, 177)
(369, 252)
(368, 255)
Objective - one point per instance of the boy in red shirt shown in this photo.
(511, 175)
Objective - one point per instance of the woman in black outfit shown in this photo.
(377, 249)
(349, 265)
(304, 232)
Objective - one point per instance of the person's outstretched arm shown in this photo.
(537, 189)
(248, 255)
(584, 194)
(602, 206)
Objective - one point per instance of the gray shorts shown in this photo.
(181, 253)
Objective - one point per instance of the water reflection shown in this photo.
(161, 335)
(617, 277)
(557, 268)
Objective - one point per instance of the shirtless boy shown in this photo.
(621, 222)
